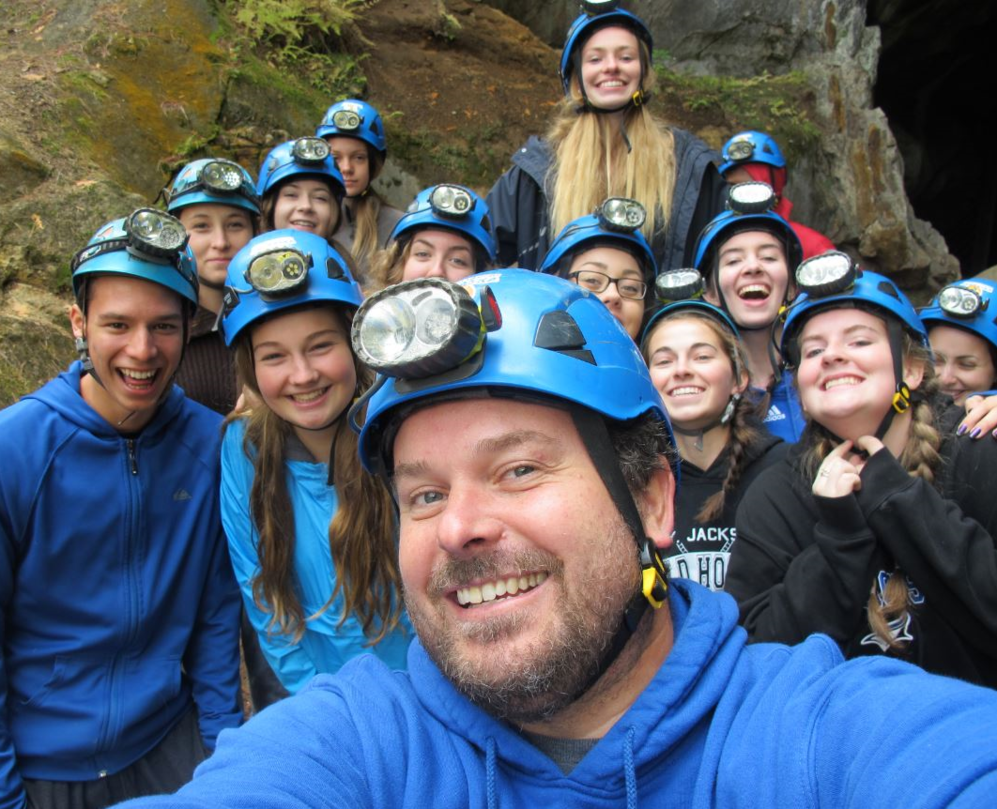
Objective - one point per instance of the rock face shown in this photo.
(851, 185)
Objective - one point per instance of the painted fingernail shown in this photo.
(961, 430)
(976, 433)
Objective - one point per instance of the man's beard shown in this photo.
(540, 680)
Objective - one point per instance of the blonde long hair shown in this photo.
(361, 534)
(592, 161)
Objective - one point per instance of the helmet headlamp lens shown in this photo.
(310, 150)
(450, 200)
(622, 214)
(278, 272)
(826, 274)
(959, 301)
(678, 285)
(750, 197)
(223, 177)
(740, 150)
(345, 119)
(417, 329)
(155, 232)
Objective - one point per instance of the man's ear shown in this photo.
(76, 320)
(657, 507)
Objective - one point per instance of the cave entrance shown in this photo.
(935, 83)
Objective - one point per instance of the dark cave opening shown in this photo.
(936, 85)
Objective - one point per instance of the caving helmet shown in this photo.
(280, 270)
(213, 180)
(449, 207)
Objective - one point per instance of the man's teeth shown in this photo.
(489, 591)
(137, 374)
(842, 380)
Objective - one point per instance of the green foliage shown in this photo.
(304, 38)
(286, 22)
(780, 105)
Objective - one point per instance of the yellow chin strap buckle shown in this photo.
(654, 578)
(901, 399)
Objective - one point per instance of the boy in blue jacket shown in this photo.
(119, 610)
(555, 664)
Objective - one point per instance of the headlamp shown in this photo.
(960, 302)
(221, 176)
(622, 215)
(417, 329)
(155, 233)
(346, 120)
(678, 285)
(278, 272)
(594, 7)
(310, 150)
(739, 150)
(826, 274)
(750, 197)
(451, 200)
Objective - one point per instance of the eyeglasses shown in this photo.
(599, 282)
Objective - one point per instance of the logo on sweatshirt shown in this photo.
(181, 494)
(775, 414)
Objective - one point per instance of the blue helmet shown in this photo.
(751, 147)
(729, 223)
(148, 244)
(682, 289)
(309, 157)
(554, 339)
(591, 21)
(965, 305)
(450, 207)
(280, 270)
(868, 290)
(591, 231)
(354, 119)
(213, 180)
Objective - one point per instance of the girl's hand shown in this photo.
(980, 418)
(839, 473)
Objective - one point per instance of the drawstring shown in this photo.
(628, 769)
(491, 795)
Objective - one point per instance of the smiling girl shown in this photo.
(963, 338)
(445, 233)
(300, 188)
(217, 203)
(698, 366)
(878, 527)
(605, 142)
(355, 134)
(310, 533)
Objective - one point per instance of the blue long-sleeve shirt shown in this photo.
(325, 645)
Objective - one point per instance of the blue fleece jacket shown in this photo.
(721, 724)
(117, 597)
(326, 643)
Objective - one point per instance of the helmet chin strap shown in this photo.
(654, 578)
(720, 422)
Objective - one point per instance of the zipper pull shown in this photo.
(131, 455)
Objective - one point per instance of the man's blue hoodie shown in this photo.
(117, 598)
(721, 724)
